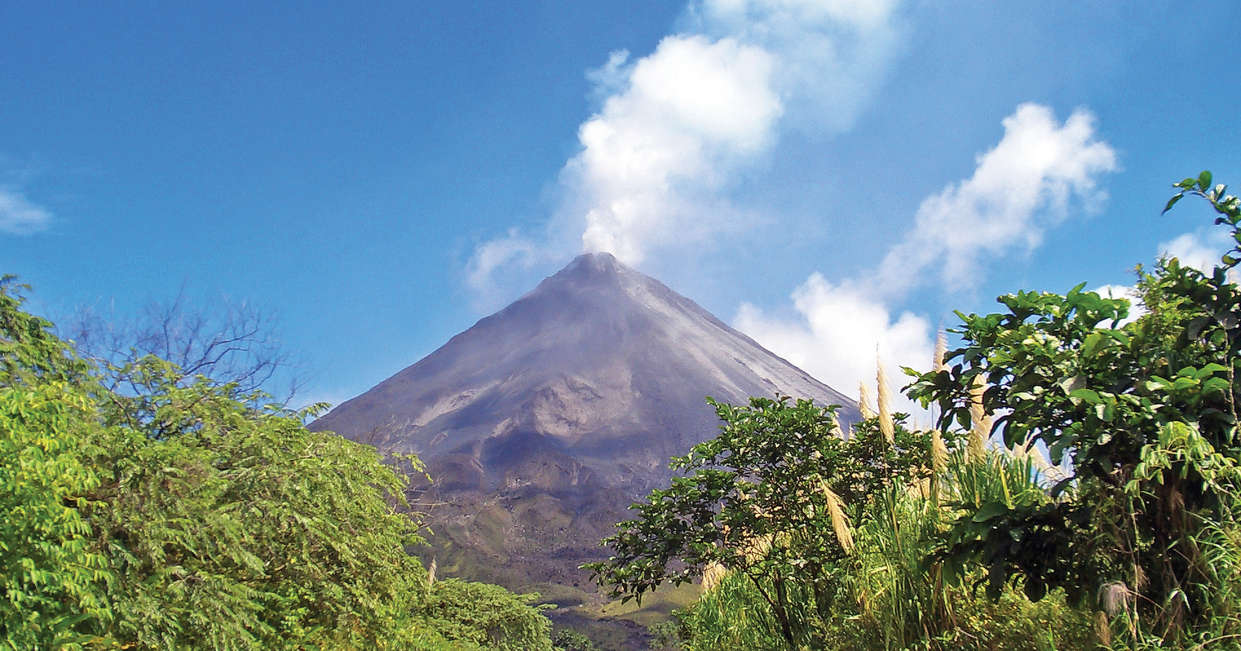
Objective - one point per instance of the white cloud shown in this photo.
(1200, 249)
(677, 128)
(833, 53)
(837, 330)
(19, 216)
(690, 113)
(510, 249)
(1018, 190)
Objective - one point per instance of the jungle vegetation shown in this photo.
(147, 507)
(1080, 488)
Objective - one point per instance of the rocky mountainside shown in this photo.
(543, 421)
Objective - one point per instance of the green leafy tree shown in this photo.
(805, 578)
(52, 579)
(228, 526)
(179, 514)
(567, 639)
(1145, 414)
(771, 497)
(487, 616)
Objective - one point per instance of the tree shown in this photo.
(179, 513)
(225, 341)
(771, 497)
(52, 579)
(805, 539)
(1145, 413)
(488, 616)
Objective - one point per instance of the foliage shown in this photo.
(770, 497)
(732, 615)
(567, 639)
(1133, 532)
(1145, 414)
(904, 599)
(177, 514)
(487, 616)
(51, 580)
(227, 526)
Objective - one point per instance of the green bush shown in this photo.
(487, 616)
(177, 514)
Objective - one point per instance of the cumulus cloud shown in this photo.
(18, 216)
(689, 114)
(1200, 249)
(836, 332)
(676, 128)
(1019, 189)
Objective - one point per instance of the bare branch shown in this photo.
(227, 342)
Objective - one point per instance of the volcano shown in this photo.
(543, 421)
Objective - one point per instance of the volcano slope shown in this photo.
(544, 421)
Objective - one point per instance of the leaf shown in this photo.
(1091, 343)
(1172, 202)
(989, 511)
(1073, 383)
(1090, 396)
(1204, 180)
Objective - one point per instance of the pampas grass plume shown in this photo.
(1113, 596)
(712, 576)
(840, 523)
(1102, 628)
(885, 398)
(941, 349)
(980, 422)
(939, 452)
(863, 402)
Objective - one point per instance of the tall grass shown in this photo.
(888, 595)
(888, 591)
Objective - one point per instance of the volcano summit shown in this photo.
(543, 421)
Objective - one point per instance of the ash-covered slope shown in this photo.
(544, 421)
(596, 377)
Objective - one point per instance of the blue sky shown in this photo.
(828, 176)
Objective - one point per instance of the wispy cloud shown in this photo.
(676, 128)
(833, 55)
(19, 216)
(1019, 189)
(1023, 186)
(513, 248)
